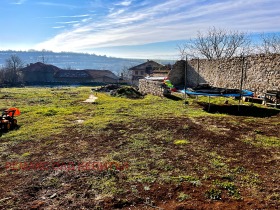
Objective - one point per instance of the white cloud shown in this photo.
(115, 14)
(68, 22)
(165, 21)
(125, 3)
(58, 27)
(70, 16)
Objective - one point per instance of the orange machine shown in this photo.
(8, 121)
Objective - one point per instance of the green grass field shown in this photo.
(176, 156)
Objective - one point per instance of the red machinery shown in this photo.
(8, 121)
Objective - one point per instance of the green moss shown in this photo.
(230, 187)
(182, 197)
(213, 194)
(181, 142)
(25, 154)
(187, 178)
(263, 140)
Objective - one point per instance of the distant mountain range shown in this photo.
(70, 60)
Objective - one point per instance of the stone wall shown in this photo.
(176, 75)
(261, 73)
(150, 87)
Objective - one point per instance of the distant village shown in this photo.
(264, 69)
(40, 73)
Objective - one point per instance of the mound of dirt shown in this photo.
(106, 88)
(127, 92)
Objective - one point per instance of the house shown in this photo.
(163, 71)
(72, 76)
(144, 69)
(102, 76)
(39, 73)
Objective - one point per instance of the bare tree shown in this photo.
(219, 43)
(182, 50)
(43, 57)
(11, 72)
(270, 44)
(2, 75)
(125, 73)
(14, 63)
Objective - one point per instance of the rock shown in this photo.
(53, 196)
(37, 204)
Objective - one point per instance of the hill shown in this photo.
(70, 60)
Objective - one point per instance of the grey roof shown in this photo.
(72, 74)
(143, 65)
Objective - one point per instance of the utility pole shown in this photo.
(197, 71)
(241, 81)
(185, 85)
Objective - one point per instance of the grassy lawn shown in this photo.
(150, 153)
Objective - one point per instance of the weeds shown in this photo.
(182, 197)
(153, 134)
(181, 142)
(262, 140)
(214, 194)
(230, 187)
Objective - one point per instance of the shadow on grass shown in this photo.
(243, 110)
(174, 98)
(6, 131)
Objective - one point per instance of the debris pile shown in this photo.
(106, 88)
(127, 92)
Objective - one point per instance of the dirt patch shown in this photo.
(91, 99)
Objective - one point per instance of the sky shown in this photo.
(147, 29)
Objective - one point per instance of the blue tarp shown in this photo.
(244, 93)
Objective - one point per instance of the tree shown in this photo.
(2, 73)
(270, 44)
(219, 43)
(182, 50)
(125, 73)
(14, 63)
(11, 69)
(43, 57)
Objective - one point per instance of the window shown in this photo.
(149, 69)
(142, 72)
(136, 72)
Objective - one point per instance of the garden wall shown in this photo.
(262, 73)
(150, 87)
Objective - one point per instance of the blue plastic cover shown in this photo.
(244, 93)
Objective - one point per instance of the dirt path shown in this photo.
(91, 99)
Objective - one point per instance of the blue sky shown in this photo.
(127, 28)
